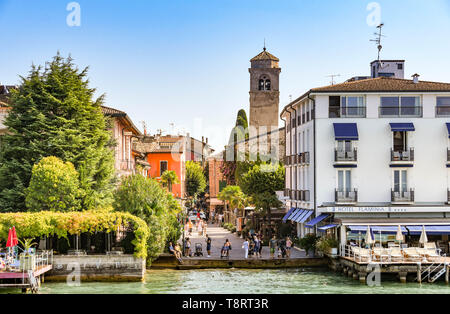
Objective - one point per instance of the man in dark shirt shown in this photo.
(208, 245)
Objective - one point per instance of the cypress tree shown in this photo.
(53, 113)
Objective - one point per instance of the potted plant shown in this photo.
(308, 243)
(328, 245)
(27, 259)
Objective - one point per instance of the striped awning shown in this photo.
(285, 218)
(316, 220)
(325, 228)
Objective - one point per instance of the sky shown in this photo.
(182, 65)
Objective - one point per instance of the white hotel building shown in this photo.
(373, 151)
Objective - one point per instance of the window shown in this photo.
(264, 84)
(400, 106)
(334, 106)
(344, 146)
(443, 106)
(353, 106)
(344, 180)
(400, 66)
(400, 143)
(400, 181)
(163, 166)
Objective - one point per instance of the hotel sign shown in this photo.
(387, 209)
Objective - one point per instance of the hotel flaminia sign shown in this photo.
(386, 209)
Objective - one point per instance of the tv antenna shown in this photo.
(377, 40)
(332, 77)
(144, 127)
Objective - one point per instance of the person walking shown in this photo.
(208, 245)
(245, 247)
(257, 246)
(187, 247)
(288, 247)
(190, 227)
(205, 225)
(273, 246)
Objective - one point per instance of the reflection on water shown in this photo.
(237, 281)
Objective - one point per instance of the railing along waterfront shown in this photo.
(394, 254)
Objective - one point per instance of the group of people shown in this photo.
(199, 224)
(252, 246)
(282, 247)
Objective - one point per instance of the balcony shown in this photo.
(346, 196)
(306, 196)
(405, 158)
(448, 196)
(287, 192)
(402, 197)
(395, 112)
(448, 158)
(304, 158)
(347, 112)
(345, 158)
(442, 111)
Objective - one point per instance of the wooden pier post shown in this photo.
(447, 274)
(419, 273)
(362, 277)
(402, 276)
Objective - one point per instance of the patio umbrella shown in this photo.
(399, 236)
(423, 236)
(10, 241)
(15, 239)
(369, 238)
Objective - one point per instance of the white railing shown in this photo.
(392, 254)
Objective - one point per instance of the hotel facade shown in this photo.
(373, 151)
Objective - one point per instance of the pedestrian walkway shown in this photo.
(219, 236)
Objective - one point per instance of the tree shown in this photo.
(146, 199)
(260, 183)
(195, 179)
(54, 186)
(53, 113)
(169, 178)
(234, 196)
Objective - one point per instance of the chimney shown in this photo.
(415, 78)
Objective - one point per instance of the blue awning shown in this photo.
(448, 128)
(316, 220)
(402, 127)
(295, 214)
(285, 218)
(377, 229)
(324, 228)
(346, 131)
(430, 230)
(306, 214)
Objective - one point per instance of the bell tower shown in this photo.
(264, 91)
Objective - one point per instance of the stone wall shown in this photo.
(97, 268)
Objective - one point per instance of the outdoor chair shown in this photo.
(351, 155)
(395, 254)
(407, 195)
(405, 156)
(396, 155)
(351, 195)
(381, 254)
(341, 155)
(411, 253)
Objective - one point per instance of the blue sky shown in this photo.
(186, 61)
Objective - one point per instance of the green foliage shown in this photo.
(308, 242)
(146, 199)
(263, 178)
(195, 179)
(27, 244)
(325, 244)
(169, 178)
(233, 195)
(53, 113)
(54, 186)
(61, 225)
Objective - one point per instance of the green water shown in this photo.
(234, 281)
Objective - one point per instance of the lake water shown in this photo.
(238, 281)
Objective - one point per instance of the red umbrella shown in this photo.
(15, 239)
(10, 241)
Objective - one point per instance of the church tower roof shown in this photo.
(265, 55)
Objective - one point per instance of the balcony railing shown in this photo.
(346, 196)
(448, 155)
(401, 111)
(306, 196)
(402, 196)
(345, 156)
(304, 158)
(448, 196)
(407, 155)
(347, 112)
(442, 111)
(287, 192)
